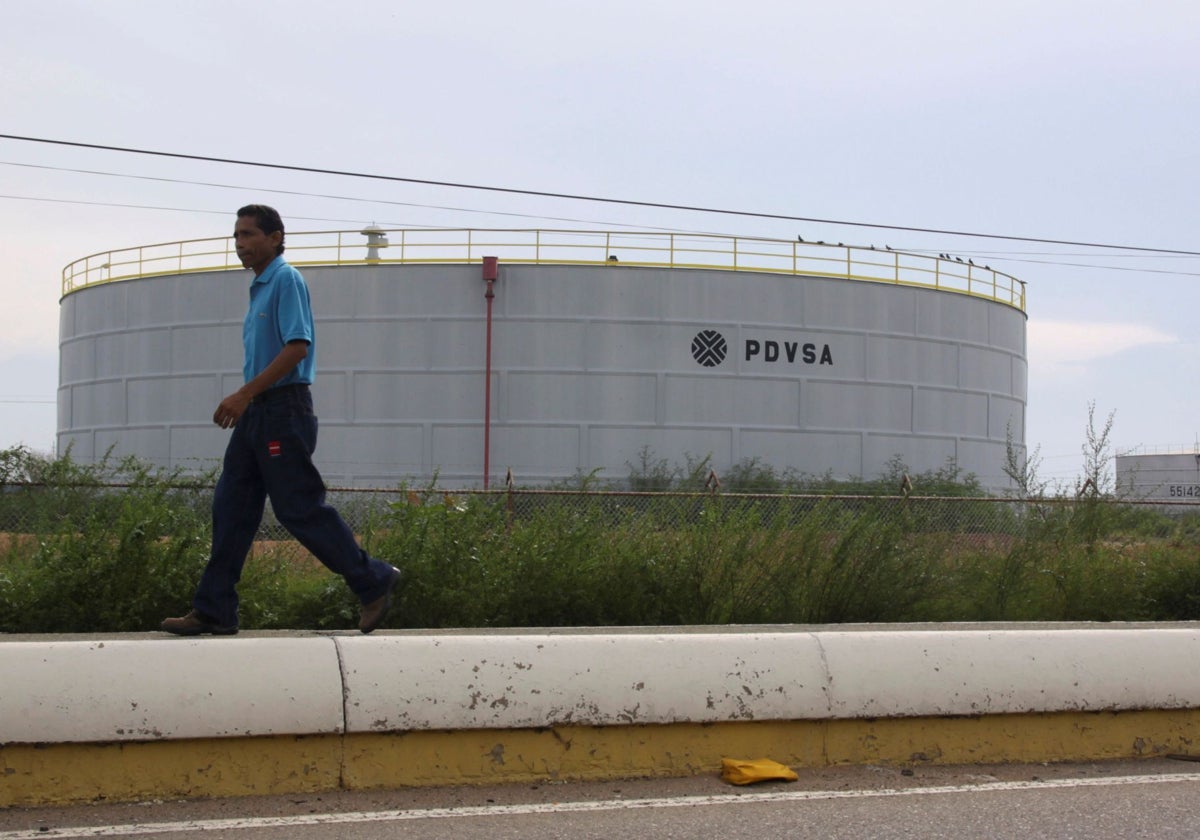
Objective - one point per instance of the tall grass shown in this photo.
(81, 553)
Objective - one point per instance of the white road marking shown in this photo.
(251, 823)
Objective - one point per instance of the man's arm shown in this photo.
(234, 406)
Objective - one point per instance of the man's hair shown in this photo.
(267, 219)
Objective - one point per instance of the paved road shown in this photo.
(1151, 798)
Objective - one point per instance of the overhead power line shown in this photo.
(1009, 255)
(306, 194)
(577, 197)
(161, 208)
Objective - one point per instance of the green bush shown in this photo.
(99, 558)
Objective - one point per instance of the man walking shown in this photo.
(270, 451)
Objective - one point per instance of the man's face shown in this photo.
(254, 248)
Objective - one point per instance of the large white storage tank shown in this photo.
(1172, 476)
(810, 358)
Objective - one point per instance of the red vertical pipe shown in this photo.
(491, 270)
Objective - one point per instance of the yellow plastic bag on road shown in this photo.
(738, 771)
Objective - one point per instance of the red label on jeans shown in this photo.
(274, 449)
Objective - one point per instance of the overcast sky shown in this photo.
(1050, 119)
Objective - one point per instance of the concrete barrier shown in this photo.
(122, 718)
(530, 681)
(116, 690)
(905, 674)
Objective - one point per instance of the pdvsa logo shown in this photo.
(709, 349)
(788, 351)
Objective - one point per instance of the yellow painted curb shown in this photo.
(65, 773)
(128, 771)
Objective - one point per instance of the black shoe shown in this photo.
(375, 612)
(194, 624)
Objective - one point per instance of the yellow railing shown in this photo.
(409, 246)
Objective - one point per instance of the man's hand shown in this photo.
(231, 409)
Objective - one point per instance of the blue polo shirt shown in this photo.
(280, 311)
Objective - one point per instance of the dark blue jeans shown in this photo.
(270, 455)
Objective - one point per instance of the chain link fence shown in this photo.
(28, 510)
